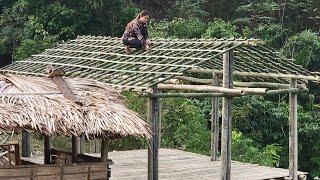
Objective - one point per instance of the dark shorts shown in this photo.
(133, 43)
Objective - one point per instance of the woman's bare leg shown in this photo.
(127, 50)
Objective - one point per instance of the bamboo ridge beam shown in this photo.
(257, 74)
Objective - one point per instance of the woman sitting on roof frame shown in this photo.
(136, 33)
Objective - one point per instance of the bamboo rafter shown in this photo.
(102, 58)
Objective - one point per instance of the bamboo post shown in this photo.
(226, 129)
(214, 121)
(104, 150)
(26, 148)
(75, 148)
(155, 120)
(82, 144)
(293, 133)
(47, 146)
(150, 163)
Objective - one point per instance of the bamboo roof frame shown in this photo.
(103, 59)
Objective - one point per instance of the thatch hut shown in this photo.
(36, 104)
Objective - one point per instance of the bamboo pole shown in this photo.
(26, 146)
(75, 148)
(186, 95)
(241, 84)
(257, 74)
(155, 118)
(214, 122)
(150, 162)
(47, 148)
(226, 129)
(293, 133)
(286, 91)
(104, 150)
(201, 88)
(82, 144)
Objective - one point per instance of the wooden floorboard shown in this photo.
(177, 165)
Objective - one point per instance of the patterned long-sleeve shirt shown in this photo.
(136, 30)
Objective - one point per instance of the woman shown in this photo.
(136, 33)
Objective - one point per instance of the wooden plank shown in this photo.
(293, 132)
(226, 129)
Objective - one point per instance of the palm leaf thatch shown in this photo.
(35, 104)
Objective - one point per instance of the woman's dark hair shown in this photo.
(143, 13)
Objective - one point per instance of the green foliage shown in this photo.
(244, 150)
(305, 49)
(220, 29)
(178, 28)
(11, 23)
(187, 9)
(184, 126)
(186, 28)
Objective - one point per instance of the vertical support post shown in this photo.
(104, 150)
(82, 144)
(226, 130)
(150, 163)
(293, 132)
(214, 121)
(155, 120)
(26, 148)
(47, 149)
(75, 148)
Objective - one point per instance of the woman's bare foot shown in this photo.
(127, 50)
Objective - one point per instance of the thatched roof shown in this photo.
(35, 104)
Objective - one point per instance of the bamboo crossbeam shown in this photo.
(126, 55)
(108, 61)
(152, 49)
(286, 91)
(201, 88)
(178, 41)
(241, 84)
(100, 69)
(187, 95)
(257, 74)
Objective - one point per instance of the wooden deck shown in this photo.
(176, 164)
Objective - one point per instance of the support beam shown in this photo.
(241, 84)
(82, 144)
(150, 163)
(155, 120)
(226, 130)
(104, 150)
(214, 122)
(75, 148)
(257, 74)
(293, 132)
(47, 149)
(186, 95)
(26, 146)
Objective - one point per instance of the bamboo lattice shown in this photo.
(103, 58)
